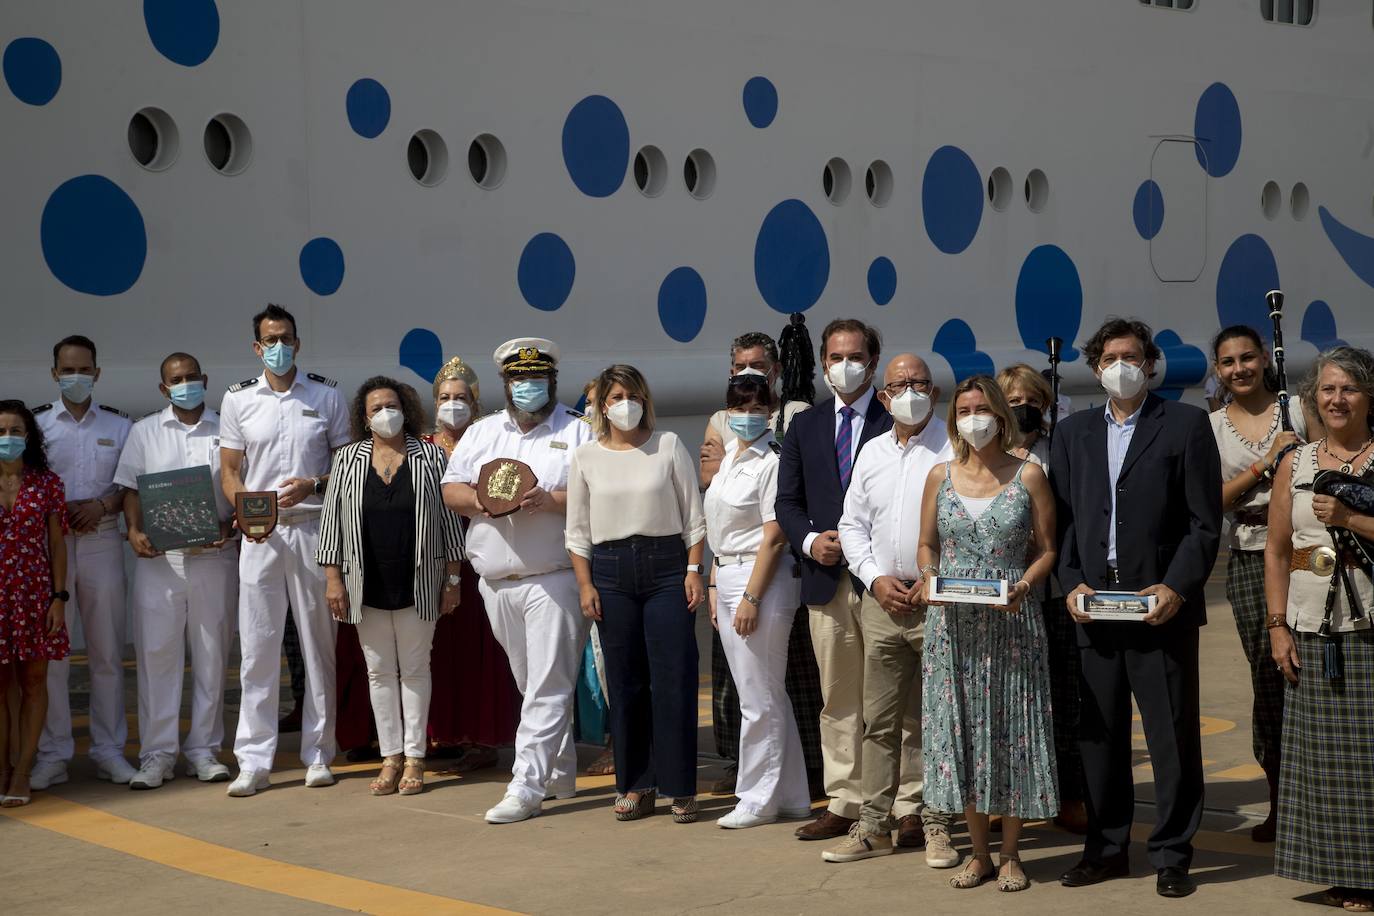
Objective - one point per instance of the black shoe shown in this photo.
(363, 754)
(1174, 882)
(1088, 872)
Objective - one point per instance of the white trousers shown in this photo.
(95, 578)
(539, 623)
(772, 768)
(396, 645)
(273, 575)
(177, 598)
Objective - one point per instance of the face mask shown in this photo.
(455, 414)
(11, 447)
(278, 358)
(845, 377)
(748, 426)
(387, 422)
(76, 388)
(1029, 419)
(625, 415)
(910, 407)
(750, 370)
(977, 429)
(187, 395)
(1122, 380)
(529, 394)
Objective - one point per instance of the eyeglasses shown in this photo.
(287, 339)
(923, 385)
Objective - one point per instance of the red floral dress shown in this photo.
(26, 585)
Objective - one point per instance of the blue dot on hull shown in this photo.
(956, 342)
(1216, 124)
(369, 108)
(322, 266)
(791, 258)
(93, 237)
(1147, 210)
(422, 353)
(1049, 300)
(760, 101)
(33, 70)
(596, 146)
(951, 199)
(882, 280)
(682, 304)
(1247, 273)
(546, 272)
(183, 31)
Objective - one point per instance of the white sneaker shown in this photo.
(47, 773)
(739, 820)
(513, 809)
(117, 770)
(249, 782)
(317, 775)
(207, 769)
(153, 774)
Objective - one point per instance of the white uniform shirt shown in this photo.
(520, 544)
(881, 525)
(160, 442)
(284, 434)
(84, 453)
(741, 497)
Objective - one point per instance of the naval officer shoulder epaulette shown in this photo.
(40, 408)
(315, 377)
(773, 444)
(151, 413)
(246, 383)
(114, 410)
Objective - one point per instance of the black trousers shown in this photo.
(1160, 669)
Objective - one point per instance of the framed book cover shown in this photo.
(1116, 605)
(950, 590)
(179, 508)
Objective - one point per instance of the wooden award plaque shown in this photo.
(256, 511)
(501, 485)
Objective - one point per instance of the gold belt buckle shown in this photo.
(1323, 561)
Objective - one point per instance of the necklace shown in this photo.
(1347, 463)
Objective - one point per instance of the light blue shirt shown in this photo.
(1118, 443)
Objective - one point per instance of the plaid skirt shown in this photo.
(1326, 776)
(1245, 591)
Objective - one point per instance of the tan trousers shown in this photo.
(837, 634)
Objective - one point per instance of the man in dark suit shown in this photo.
(817, 459)
(1138, 486)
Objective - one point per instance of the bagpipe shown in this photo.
(1350, 551)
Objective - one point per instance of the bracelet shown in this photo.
(710, 585)
(1026, 583)
(750, 598)
(932, 570)
(1254, 469)
(1275, 621)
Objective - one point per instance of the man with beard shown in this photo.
(527, 582)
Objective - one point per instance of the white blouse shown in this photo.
(1237, 454)
(741, 497)
(651, 490)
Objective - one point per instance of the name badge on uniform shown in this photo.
(307, 412)
(556, 444)
(108, 443)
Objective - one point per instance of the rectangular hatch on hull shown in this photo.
(1171, 210)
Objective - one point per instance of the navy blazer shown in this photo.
(809, 494)
(1168, 505)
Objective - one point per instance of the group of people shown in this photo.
(842, 665)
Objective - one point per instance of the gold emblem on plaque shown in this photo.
(505, 483)
(1323, 561)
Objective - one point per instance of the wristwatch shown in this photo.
(696, 568)
(319, 486)
(64, 595)
(455, 580)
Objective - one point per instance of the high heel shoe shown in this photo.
(632, 809)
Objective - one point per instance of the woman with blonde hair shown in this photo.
(1029, 396)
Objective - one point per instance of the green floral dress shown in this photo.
(985, 714)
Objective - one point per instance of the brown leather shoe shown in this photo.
(1073, 817)
(911, 833)
(826, 827)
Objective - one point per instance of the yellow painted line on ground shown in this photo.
(1245, 772)
(175, 850)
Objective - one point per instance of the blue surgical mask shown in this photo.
(187, 395)
(529, 394)
(278, 358)
(11, 447)
(748, 426)
(76, 388)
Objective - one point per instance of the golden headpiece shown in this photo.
(457, 369)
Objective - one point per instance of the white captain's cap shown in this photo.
(526, 355)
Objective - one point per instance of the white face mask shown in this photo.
(387, 422)
(846, 377)
(454, 414)
(625, 415)
(1122, 380)
(910, 407)
(750, 370)
(977, 429)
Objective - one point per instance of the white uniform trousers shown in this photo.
(772, 768)
(396, 646)
(179, 597)
(539, 623)
(272, 575)
(95, 578)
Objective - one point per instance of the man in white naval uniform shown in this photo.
(84, 441)
(184, 593)
(527, 581)
(277, 432)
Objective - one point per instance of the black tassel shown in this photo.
(1331, 660)
(798, 361)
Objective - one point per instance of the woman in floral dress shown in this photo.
(986, 731)
(33, 576)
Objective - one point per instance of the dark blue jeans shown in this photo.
(649, 641)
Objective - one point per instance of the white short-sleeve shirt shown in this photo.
(85, 452)
(740, 499)
(160, 442)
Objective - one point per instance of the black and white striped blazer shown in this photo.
(438, 532)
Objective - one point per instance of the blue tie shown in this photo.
(844, 442)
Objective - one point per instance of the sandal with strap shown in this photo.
(972, 874)
(385, 783)
(1009, 880)
(684, 810)
(413, 780)
(13, 801)
(632, 809)
(603, 765)
(1349, 899)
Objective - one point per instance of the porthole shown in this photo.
(999, 188)
(1037, 190)
(878, 183)
(427, 157)
(835, 181)
(228, 144)
(651, 171)
(153, 139)
(699, 174)
(1299, 201)
(487, 161)
(1271, 200)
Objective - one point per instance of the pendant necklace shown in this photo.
(1346, 465)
